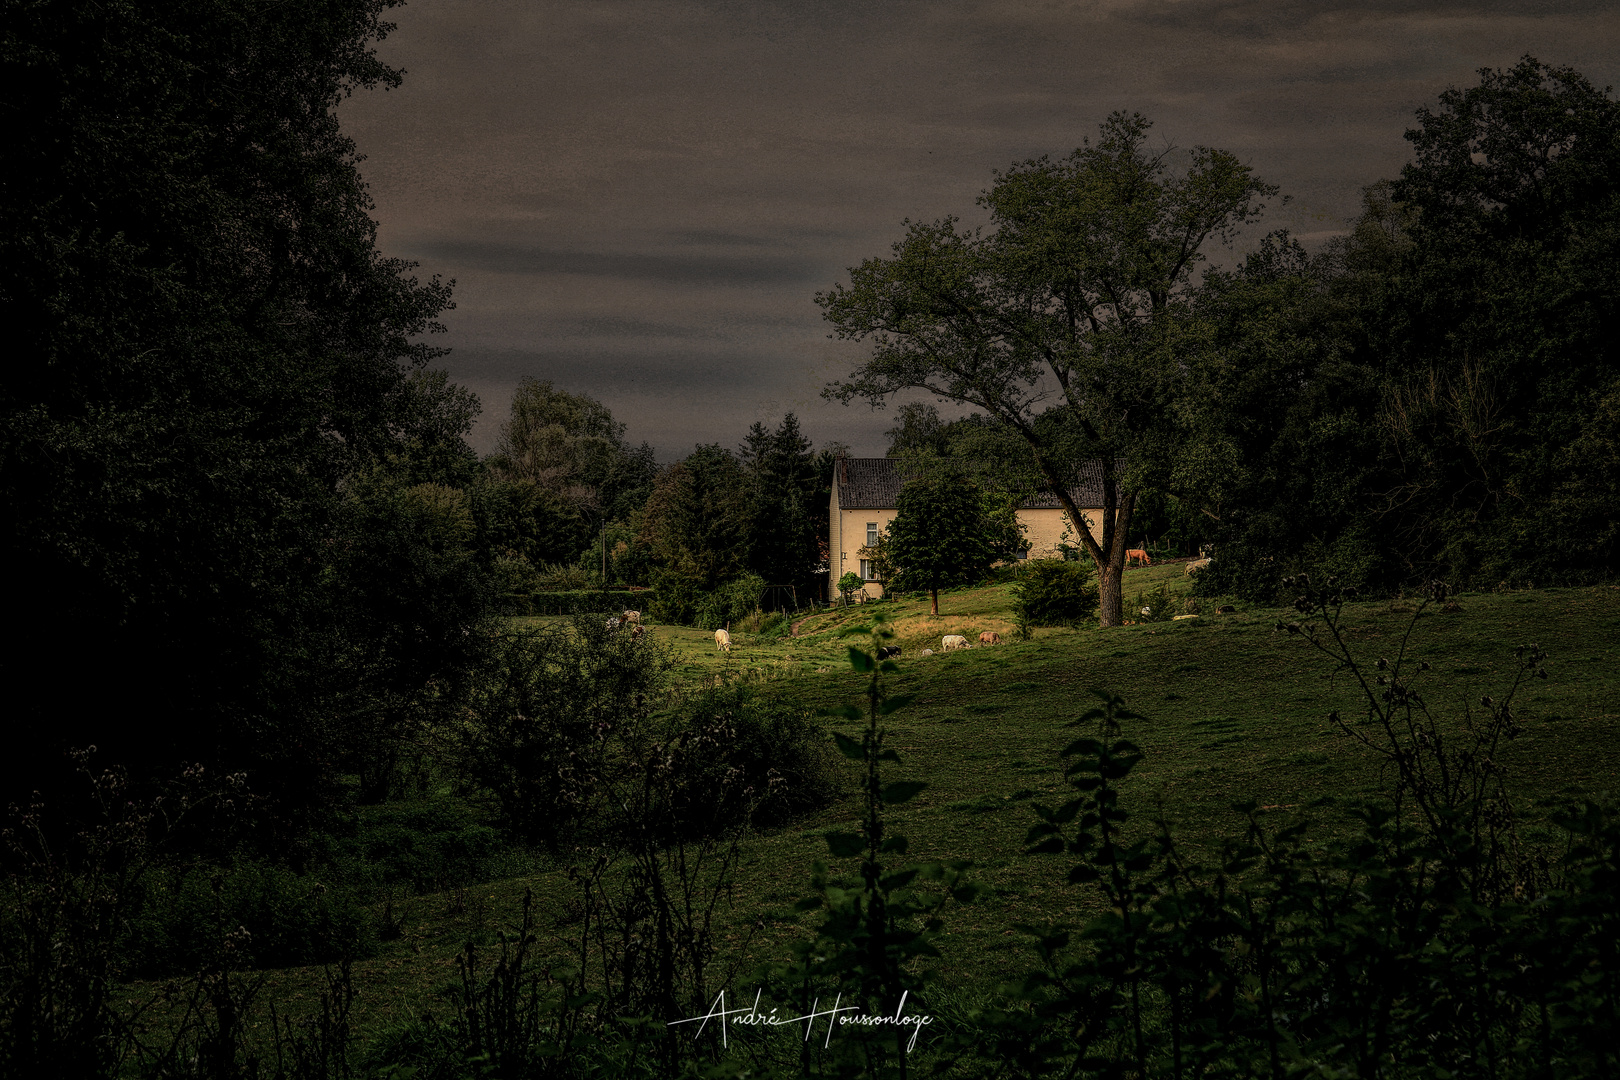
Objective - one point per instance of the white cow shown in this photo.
(633, 618)
(952, 641)
(1195, 566)
(722, 639)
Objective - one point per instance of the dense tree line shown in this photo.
(1454, 357)
(243, 523)
(1431, 394)
(216, 391)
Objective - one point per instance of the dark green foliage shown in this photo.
(424, 846)
(730, 604)
(940, 535)
(205, 343)
(680, 598)
(789, 514)
(1431, 395)
(290, 919)
(520, 519)
(587, 602)
(698, 519)
(550, 719)
(569, 446)
(412, 606)
(762, 760)
(1054, 592)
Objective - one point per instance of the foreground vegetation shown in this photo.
(1234, 713)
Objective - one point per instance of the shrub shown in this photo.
(1054, 592)
(422, 845)
(290, 919)
(730, 603)
(745, 750)
(1154, 606)
(550, 717)
(675, 596)
(851, 583)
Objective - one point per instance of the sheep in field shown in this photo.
(927, 652)
(1195, 566)
(952, 641)
(722, 638)
(989, 637)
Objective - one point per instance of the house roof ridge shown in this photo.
(874, 483)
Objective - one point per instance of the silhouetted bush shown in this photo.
(750, 756)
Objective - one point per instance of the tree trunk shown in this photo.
(1110, 595)
(934, 592)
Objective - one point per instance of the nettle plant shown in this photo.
(876, 924)
(1422, 941)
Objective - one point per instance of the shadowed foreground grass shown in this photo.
(1237, 711)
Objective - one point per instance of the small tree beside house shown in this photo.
(940, 536)
(849, 584)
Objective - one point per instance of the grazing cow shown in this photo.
(614, 623)
(722, 638)
(1137, 555)
(926, 652)
(1195, 566)
(637, 630)
(633, 618)
(888, 651)
(952, 641)
(989, 637)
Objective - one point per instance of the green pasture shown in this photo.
(1236, 711)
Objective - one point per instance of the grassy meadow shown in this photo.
(1235, 711)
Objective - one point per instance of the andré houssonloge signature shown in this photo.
(840, 1015)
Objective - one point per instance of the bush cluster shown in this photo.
(1054, 592)
(291, 919)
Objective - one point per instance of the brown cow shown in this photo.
(1137, 555)
(990, 637)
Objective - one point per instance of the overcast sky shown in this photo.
(639, 200)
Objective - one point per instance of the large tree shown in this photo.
(205, 345)
(1064, 322)
(570, 445)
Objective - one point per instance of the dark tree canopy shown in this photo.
(204, 344)
(1433, 394)
(789, 514)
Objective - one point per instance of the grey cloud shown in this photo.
(1251, 18)
(685, 268)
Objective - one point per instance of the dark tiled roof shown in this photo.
(874, 484)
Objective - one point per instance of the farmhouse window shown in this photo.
(866, 570)
(871, 533)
